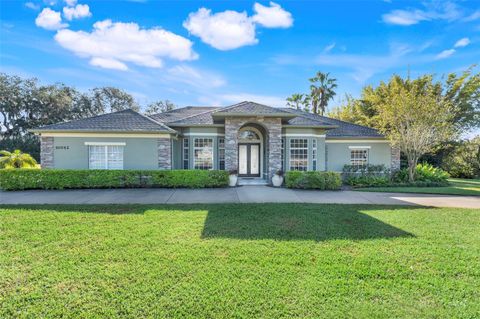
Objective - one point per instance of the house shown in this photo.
(255, 139)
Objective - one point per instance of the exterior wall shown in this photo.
(273, 128)
(338, 154)
(47, 155)
(139, 153)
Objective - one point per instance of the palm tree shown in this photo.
(321, 91)
(16, 159)
(295, 100)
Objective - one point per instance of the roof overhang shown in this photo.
(46, 131)
(311, 126)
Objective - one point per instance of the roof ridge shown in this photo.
(154, 121)
(301, 114)
(201, 113)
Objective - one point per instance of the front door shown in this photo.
(249, 160)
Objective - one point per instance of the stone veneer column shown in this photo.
(395, 158)
(46, 152)
(273, 141)
(164, 153)
(274, 126)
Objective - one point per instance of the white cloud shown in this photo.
(435, 10)
(230, 30)
(224, 30)
(77, 12)
(32, 6)
(50, 20)
(474, 16)
(71, 3)
(194, 77)
(463, 42)
(113, 45)
(273, 16)
(404, 17)
(329, 48)
(445, 54)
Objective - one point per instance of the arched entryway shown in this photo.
(252, 151)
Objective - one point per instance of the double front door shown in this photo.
(249, 160)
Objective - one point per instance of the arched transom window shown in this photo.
(248, 134)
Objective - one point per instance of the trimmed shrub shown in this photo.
(70, 179)
(366, 176)
(313, 180)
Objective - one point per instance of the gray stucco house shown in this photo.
(255, 139)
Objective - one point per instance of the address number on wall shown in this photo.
(62, 147)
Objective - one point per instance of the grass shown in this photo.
(457, 186)
(239, 261)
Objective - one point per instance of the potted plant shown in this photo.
(232, 178)
(277, 179)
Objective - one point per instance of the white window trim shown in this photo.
(106, 143)
(304, 135)
(359, 147)
(106, 156)
(295, 148)
(213, 150)
(183, 153)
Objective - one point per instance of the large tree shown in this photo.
(415, 117)
(159, 107)
(295, 101)
(110, 99)
(462, 91)
(322, 90)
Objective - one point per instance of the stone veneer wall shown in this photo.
(164, 153)
(46, 152)
(395, 158)
(273, 128)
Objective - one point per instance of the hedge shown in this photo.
(19, 179)
(313, 180)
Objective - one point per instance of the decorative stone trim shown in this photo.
(164, 153)
(395, 158)
(46, 152)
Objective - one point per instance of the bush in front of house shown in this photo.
(313, 180)
(423, 173)
(366, 175)
(71, 179)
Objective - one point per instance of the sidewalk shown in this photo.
(245, 194)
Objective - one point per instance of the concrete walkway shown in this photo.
(245, 194)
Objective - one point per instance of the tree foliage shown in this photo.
(414, 116)
(159, 107)
(16, 159)
(464, 161)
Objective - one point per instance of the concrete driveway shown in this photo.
(245, 194)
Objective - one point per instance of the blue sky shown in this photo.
(222, 52)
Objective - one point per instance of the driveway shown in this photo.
(245, 194)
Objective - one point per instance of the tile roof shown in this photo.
(343, 129)
(248, 107)
(181, 113)
(121, 121)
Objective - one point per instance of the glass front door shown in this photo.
(249, 160)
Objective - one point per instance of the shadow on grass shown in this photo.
(319, 222)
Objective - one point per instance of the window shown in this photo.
(298, 154)
(105, 157)
(359, 157)
(248, 135)
(185, 153)
(203, 153)
(221, 153)
(314, 154)
(283, 153)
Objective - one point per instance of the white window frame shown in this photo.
(211, 149)
(221, 152)
(314, 154)
(186, 153)
(354, 160)
(294, 163)
(107, 150)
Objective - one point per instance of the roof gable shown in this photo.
(251, 108)
(121, 121)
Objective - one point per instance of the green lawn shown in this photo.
(458, 187)
(239, 261)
